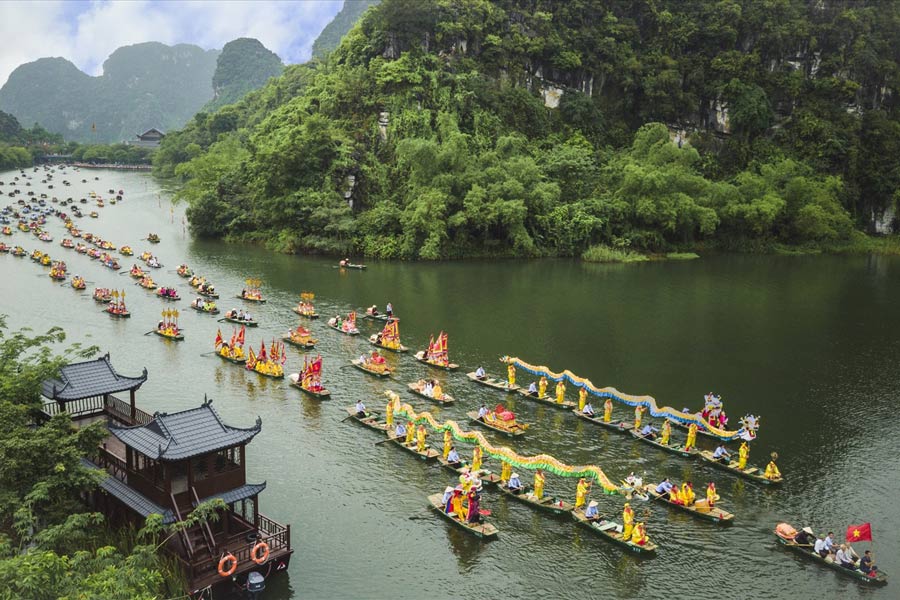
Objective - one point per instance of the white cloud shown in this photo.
(86, 33)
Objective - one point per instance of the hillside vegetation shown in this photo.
(243, 66)
(454, 128)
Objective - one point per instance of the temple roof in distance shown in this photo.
(89, 378)
(184, 434)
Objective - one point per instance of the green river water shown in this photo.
(809, 343)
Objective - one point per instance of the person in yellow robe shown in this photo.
(542, 387)
(582, 398)
(505, 471)
(666, 432)
(410, 432)
(560, 392)
(743, 455)
(711, 495)
(476, 459)
(581, 492)
(691, 437)
(389, 415)
(687, 493)
(638, 413)
(627, 520)
(772, 471)
(539, 484)
(437, 392)
(607, 410)
(448, 442)
(456, 505)
(639, 535)
(420, 438)
(511, 375)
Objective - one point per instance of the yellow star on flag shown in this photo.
(856, 533)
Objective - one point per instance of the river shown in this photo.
(809, 343)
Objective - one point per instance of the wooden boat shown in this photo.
(699, 509)
(546, 504)
(486, 477)
(608, 530)
(598, 420)
(261, 300)
(307, 345)
(350, 266)
(416, 388)
(427, 454)
(420, 356)
(177, 337)
(248, 323)
(184, 271)
(153, 238)
(118, 314)
(548, 400)
(338, 329)
(370, 420)
(807, 551)
(679, 450)
(752, 473)
(497, 384)
(374, 337)
(321, 394)
(364, 367)
(308, 316)
(700, 429)
(208, 294)
(213, 311)
(519, 428)
(270, 375)
(483, 530)
(378, 317)
(137, 273)
(231, 359)
(162, 296)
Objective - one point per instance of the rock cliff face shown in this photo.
(243, 66)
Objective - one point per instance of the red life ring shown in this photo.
(228, 558)
(260, 553)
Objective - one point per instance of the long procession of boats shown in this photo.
(436, 355)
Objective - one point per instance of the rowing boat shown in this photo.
(701, 430)
(212, 311)
(353, 331)
(699, 508)
(753, 473)
(237, 361)
(679, 450)
(386, 372)
(517, 429)
(248, 323)
(548, 400)
(302, 314)
(807, 551)
(609, 530)
(497, 384)
(485, 531)
(350, 266)
(416, 388)
(373, 340)
(176, 337)
(486, 477)
(309, 345)
(420, 356)
(428, 453)
(321, 394)
(118, 314)
(370, 420)
(379, 317)
(261, 300)
(208, 294)
(546, 504)
(598, 420)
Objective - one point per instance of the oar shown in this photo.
(151, 331)
(385, 441)
(207, 353)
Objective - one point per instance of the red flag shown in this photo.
(240, 337)
(219, 340)
(859, 533)
(262, 351)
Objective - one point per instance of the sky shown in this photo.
(86, 32)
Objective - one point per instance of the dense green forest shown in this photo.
(18, 145)
(243, 66)
(454, 128)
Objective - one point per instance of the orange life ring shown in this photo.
(257, 556)
(225, 560)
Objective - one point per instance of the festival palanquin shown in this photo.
(234, 350)
(168, 327)
(251, 292)
(310, 378)
(301, 336)
(305, 308)
(389, 337)
(271, 364)
(437, 353)
(116, 306)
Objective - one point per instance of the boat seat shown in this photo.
(610, 525)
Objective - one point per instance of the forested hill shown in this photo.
(243, 66)
(142, 86)
(448, 128)
(338, 27)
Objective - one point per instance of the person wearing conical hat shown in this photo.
(445, 499)
(591, 512)
(627, 520)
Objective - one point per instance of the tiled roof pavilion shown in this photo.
(89, 379)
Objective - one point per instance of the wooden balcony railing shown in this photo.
(95, 405)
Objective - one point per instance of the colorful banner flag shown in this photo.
(859, 533)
